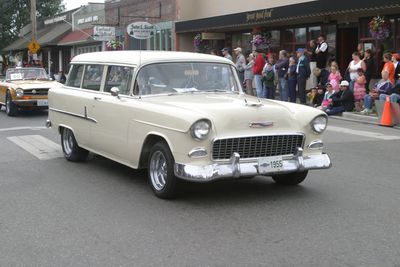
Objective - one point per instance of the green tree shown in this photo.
(15, 14)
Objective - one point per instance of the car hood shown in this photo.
(33, 84)
(233, 113)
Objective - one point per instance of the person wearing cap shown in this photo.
(384, 86)
(341, 101)
(225, 54)
(303, 73)
(240, 63)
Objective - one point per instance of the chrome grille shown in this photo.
(257, 146)
(39, 91)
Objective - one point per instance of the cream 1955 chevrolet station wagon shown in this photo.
(182, 116)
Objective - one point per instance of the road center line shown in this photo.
(38, 146)
(363, 133)
(22, 128)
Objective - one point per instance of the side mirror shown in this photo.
(114, 91)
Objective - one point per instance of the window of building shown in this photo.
(314, 32)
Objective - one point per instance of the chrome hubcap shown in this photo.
(158, 170)
(68, 142)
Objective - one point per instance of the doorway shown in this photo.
(347, 40)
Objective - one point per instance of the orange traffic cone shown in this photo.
(386, 114)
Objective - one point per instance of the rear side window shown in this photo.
(75, 76)
(92, 77)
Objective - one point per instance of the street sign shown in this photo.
(33, 46)
(140, 30)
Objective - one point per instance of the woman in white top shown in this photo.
(354, 65)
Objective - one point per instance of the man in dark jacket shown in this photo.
(303, 73)
(281, 68)
(341, 101)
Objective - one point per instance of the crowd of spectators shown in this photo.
(308, 76)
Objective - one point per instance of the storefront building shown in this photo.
(49, 32)
(81, 39)
(290, 25)
(160, 14)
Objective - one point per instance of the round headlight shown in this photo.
(19, 92)
(319, 124)
(200, 129)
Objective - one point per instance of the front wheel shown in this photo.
(11, 108)
(162, 179)
(293, 178)
(70, 147)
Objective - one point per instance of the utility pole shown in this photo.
(33, 19)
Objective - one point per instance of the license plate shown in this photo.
(42, 102)
(270, 164)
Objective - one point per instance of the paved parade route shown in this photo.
(100, 213)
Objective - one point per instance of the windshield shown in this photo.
(14, 74)
(183, 77)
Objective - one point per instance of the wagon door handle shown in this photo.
(97, 98)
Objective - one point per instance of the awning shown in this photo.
(285, 13)
(77, 37)
(46, 36)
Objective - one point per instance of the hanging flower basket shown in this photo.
(199, 44)
(261, 40)
(114, 45)
(379, 28)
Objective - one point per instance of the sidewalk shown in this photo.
(360, 118)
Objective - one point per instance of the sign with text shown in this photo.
(140, 30)
(103, 33)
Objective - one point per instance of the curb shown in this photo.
(358, 118)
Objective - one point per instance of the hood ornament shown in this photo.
(258, 104)
(261, 124)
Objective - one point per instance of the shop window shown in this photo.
(300, 35)
(275, 39)
(314, 32)
(287, 36)
(330, 33)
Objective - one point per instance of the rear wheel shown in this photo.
(70, 147)
(293, 178)
(162, 179)
(11, 108)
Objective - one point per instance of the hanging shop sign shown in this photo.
(103, 33)
(140, 30)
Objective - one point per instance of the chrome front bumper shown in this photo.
(247, 168)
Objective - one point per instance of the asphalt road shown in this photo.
(100, 213)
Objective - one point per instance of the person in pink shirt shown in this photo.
(359, 90)
(334, 77)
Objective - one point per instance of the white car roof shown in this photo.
(137, 58)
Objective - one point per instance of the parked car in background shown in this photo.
(25, 88)
(182, 116)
